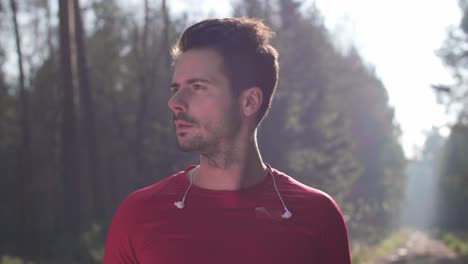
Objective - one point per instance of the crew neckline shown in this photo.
(260, 185)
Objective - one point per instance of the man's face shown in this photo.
(206, 115)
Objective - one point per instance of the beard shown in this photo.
(191, 143)
(208, 137)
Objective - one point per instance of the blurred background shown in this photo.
(372, 107)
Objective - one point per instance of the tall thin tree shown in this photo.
(70, 153)
(166, 30)
(93, 176)
(142, 112)
(24, 153)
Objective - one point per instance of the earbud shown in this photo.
(180, 204)
(286, 214)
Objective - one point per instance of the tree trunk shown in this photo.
(289, 13)
(164, 94)
(49, 29)
(268, 12)
(92, 175)
(166, 44)
(70, 155)
(24, 153)
(142, 113)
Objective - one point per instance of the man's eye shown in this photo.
(174, 89)
(198, 87)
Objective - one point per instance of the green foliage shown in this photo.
(453, 190)
(366, 253)
(14, 260)
(453, 53)
(93, 241)
(365, 103)
(456, 242)
(454, 181)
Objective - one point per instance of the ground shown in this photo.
(421, 248)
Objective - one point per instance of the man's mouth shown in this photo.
(181, 125)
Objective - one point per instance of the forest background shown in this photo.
(84, 122)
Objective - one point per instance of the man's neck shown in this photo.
(238, 167)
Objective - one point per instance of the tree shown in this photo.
(92, 173)
(330, 125)
(70, 152)
(364, 100)
(420, 208)
(333, 113)
(146, 71)
(453, 186)
(454, 172)
(9, 145)
(454, 53)
(24, 152)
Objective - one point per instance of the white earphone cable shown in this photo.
(181, 204)
(286, 215)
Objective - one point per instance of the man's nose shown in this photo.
(177, 103)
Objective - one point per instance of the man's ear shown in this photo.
(252, 99)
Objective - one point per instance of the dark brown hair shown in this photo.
(249, 59)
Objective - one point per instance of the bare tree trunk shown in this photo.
(268, 13)
(143, 102)
(93, 175)
(52, 196)
(49, 29)
(162, 109)
(166, 44)
(288, 12)
(24, 153)
(70, 153)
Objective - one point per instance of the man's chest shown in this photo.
(226, 236)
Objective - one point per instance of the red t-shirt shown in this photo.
(241, 226)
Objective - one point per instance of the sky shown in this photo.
(399, 38)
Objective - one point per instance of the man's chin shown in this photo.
(185, 148)
(188, 144)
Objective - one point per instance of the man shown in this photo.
(233, 207)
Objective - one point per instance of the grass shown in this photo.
(13, 260)
(365, 254)
(457, 242)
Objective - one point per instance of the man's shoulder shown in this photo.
(309, 199)
(168, 186)
(299, 190)
(156, 196)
